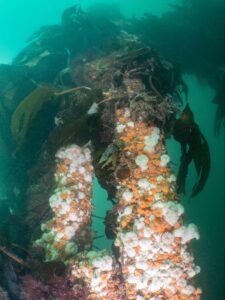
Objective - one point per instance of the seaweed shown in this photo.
(194, 147)
(109, 156)
(111, 223)
(26, 112)
(201, 158)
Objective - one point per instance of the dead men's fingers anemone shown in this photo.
(70, 204)
(151, 237)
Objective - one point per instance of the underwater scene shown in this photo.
(112, 150)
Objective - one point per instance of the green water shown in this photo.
(207, 209)
(20, 18)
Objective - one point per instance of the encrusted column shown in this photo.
(69, 229)
(67, 234)
(153, 241)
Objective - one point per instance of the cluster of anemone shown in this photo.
(70, 203)
(153, 242)
(152, 239)
(101, 275)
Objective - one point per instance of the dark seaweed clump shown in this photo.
(191, 34)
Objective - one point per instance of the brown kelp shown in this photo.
(194, 147)
(111, 223)
(26, 112)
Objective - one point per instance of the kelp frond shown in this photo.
(26, 112)
(109, 156)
